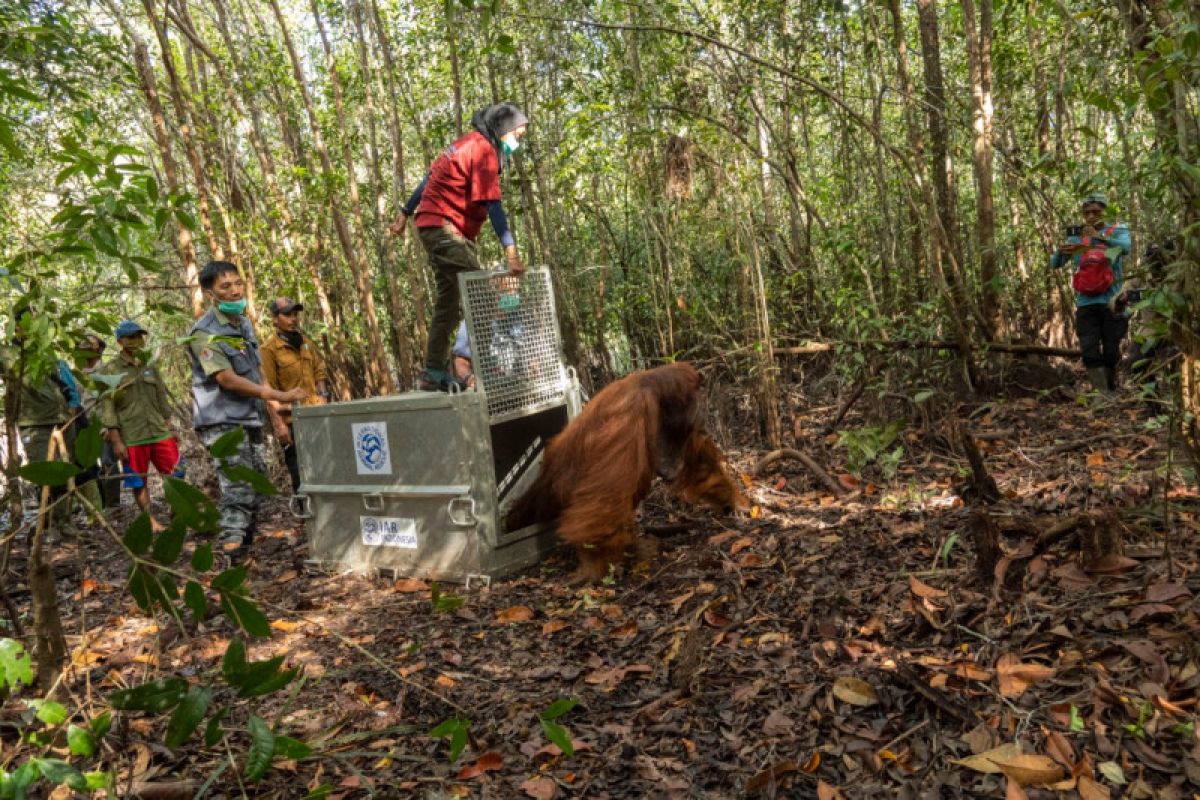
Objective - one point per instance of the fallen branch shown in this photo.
(1059, 530)
(805, 459)
(812, 348)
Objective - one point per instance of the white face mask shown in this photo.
(510, 143)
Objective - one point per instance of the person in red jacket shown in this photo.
(448, 207)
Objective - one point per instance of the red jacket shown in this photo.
(462, 180)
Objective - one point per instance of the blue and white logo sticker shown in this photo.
(389, 532)
(371, 452)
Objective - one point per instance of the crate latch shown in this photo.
(482, 580)
(301, 506)
(373, 501)
(462, 510)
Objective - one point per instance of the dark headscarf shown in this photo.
(496, 121)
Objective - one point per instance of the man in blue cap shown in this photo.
(136, 416)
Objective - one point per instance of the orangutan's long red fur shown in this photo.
(599, 469)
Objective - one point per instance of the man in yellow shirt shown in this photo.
(290, 361)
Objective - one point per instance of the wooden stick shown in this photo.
(805, 459)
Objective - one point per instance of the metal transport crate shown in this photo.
(418, 484)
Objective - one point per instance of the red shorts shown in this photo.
(163, 455)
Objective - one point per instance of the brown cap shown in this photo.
(285, 305)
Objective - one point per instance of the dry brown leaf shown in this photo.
(1095, 460)
(1090, 789)
(1147, 610)
(1111, 564)
(625, 631)
(986, 762)
(487, 762)
(1166, 592)
(813, 764)
(554, 626)
(827, 792)
(1031, 770)
(1163, 704)
(848, 481)
(924, 590)
(1013, 791)
(515, 614)
(740, 544)
(677, 602)
(721, 538)
(750, 561)
(777, 723)
(1060, 749)
(855, 692)
(1015, 676)
(540, 788)
(409, 585)
(971, 671)
(284, 625)
(769, 777)
(716, 618)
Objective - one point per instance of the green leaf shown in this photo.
(202, 558)
(456, 729)
(7, 141)
(228, 443)
(193, 597)
(190, 504)
(320, 793)
(233, 664)
(559, 707)
(1076, 720)
(49, 473)
(58, 771)
(213, 730)
(99, 779)
(558, 735)
(262, 747)
(243, 613)
(287, 747)
(139, 535)
(15, 665)
(272, 684)
(89, 444)
(101, 724)
(144, 587)
(230, 579)
(185, 219)
(156, 696)
(259, 482)
(49, 712)
(169, 544)
(80, 741)
(187, 715)
(256, 672)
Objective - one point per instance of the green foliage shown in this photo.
(870, 445)
(15, 666)
(49, 473)
(444, 603)
(456, 730)
(262, 747)
(554, 732)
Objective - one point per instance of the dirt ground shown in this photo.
(899, 639)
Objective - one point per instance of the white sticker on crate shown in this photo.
(389, 532)
(372, 455)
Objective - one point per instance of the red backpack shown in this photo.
(1095, 274)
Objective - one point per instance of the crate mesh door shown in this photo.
(515, 349)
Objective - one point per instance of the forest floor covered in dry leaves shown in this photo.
(898, 638)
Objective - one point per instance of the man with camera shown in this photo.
(1096, 251)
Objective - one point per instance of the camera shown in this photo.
(1074, 230)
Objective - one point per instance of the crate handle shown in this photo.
(461, 510)
(373, 501)
(301, 506)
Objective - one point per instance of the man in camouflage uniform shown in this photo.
(228, 393)
(45, 409)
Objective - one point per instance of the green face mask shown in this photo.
(510, 145)
(232, 306)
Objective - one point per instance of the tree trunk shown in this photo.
(979, 57)
(183, 236)
(379, 377)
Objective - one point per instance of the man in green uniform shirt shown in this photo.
(228, 392)
(136, 417)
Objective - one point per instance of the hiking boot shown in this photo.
(436, 380)
(1098, 377)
